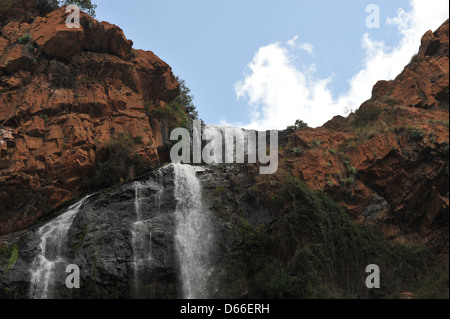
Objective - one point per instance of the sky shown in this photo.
(262, 64)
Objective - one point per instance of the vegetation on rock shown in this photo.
(299, 125)
(47, 6)
(122, 164)
(178, 112)
(315, 250)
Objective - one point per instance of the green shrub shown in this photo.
(47, 6)
(30, 47)
(175, 113)
(365, 115)
(26, 38)
(85, 5)
(413, 59)
(13, 258)
(414, 133)
(315, 250)
(219, 191)
(179, 112)
(352, 170)
(435, 285)
(138, 139)
(186, 100)
(389, 100)
(348, 180)
(297, 150)
(299, 125)
(81, 238)
(122, 164)
(172, 113)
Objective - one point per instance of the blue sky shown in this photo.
(262, 64)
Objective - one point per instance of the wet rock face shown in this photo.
(65, 93)
(102, 239)
(100, 242)
(232, 192)
(123, 240)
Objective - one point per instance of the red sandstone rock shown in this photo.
(67, 98)
(401, 182)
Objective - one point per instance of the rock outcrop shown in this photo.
(101, 241)
(387, 164)
(64, 94)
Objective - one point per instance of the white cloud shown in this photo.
(279, 93)
(292, 41)
(383, 63)
(308, 47)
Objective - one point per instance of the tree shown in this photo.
(186, 100)
(85, 5)
(299, 124)
(47, 6)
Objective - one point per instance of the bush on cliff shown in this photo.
(365, 115)
(47, 6)
(186, 100)
(178, 112)
(315, 250)
(299, 125)
(122, 164)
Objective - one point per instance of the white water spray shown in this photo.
(141, 233)
(52, 246)
(193, 233)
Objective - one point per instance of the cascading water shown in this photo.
(141, 231)
(53, 240)
(146, 193)
(193, 238)
(232, 138)
(193, 233)
(216, 141)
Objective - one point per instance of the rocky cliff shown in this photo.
(387, 163)
(64, 95)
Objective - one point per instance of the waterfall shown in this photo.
(53, 240)
(141, 230)
(215, 135)
(228, 140)
(141, 236)
(193, 237)
(193, 233)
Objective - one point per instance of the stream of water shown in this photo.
(193, 234)
(52, 246)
